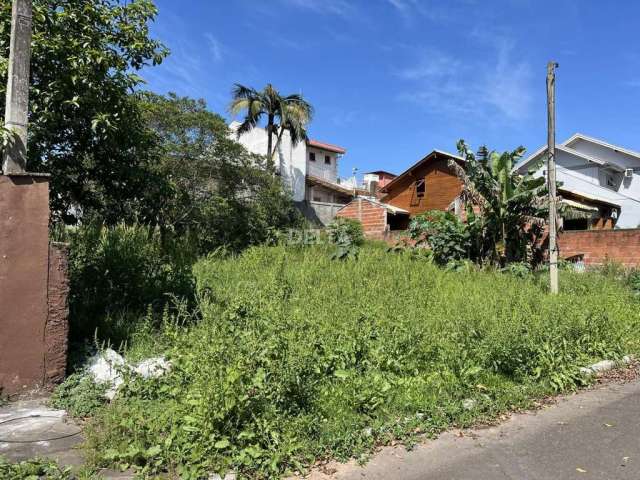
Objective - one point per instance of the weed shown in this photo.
(79, 395)
(294, 357)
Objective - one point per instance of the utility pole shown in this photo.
(551, 176)
(17, 105)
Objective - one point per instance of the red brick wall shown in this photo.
(597, 246)
(373, 217)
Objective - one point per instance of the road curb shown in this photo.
(605, 365)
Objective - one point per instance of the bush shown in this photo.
(79, 395)
(117, 273)
(448, 238)
(297, 358)
(34, 470)
(347, 235)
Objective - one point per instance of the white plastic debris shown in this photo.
(469, 403)
(108, 366)
(228, 476)
(152, 367)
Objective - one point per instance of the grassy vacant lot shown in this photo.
(295, 357)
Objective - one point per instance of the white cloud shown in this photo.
(434, 11)
(215, 47)
(341, 8)
(492, 87)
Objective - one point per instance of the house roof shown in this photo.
(333, 186)
(586, 138)
(381, 172)
(390, 208)
(566, 147)
(422, 161)
(589, 197)
(326, 146)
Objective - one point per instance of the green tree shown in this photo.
(85, 128)
(290, 113)
(218, 193)
(512, 207)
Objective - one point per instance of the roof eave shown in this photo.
(420, 162)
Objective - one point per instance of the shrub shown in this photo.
(448, 238)
(33, 470)
(634, 281)
(79, 395)
(297, 358)
(117, 273)
(347, 235)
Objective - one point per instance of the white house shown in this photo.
(598, 179)
(309, 170)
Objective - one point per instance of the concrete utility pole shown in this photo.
(551, 176)
(17, 105)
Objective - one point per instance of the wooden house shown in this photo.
(429, 184)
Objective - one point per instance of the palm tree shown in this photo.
(292, 113)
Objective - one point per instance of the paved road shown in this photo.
(588, 436)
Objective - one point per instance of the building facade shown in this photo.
(309, 170)
(600, 182)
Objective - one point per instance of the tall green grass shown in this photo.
(120, 275)
(296, 357)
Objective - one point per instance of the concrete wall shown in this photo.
(56, 332)
(291, 161)
(598, 246)
(319, 213)
(32, 330)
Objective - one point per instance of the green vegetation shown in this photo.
(79, 395)
(347, 235)
(445, 236)
(119, 274)
(511, 207)
(292, 357)
(216, 193)
(84, 124)
(37, 469)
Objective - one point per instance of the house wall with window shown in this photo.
(322, 164)
(429, 186)
(594, 167)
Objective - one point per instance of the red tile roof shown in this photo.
(326, 146)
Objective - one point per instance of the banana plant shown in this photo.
(506, 209)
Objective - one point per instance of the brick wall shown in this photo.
(373, 217)
(597, 246)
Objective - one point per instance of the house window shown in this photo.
(317, 198)
(419, 189)
(312, 156)
(327, 159)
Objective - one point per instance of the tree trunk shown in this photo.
(270, 140)
(277, 145)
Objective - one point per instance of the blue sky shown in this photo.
(391, 80)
